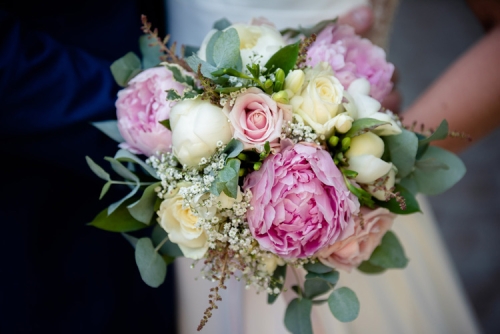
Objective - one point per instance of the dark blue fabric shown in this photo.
(58, 275)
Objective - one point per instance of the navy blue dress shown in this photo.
(58, 275)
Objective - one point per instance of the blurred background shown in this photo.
(427, 36)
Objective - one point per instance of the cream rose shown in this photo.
(180, 224)
(349, 253)
(197, 126)
(319, 101)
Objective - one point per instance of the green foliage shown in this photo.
(125, 68)
(364, 125)
(222, 24)
(285, 58)
(233, 148)
(331, 277)
(105, 189)
(151, 52)
(110, 128)
(317, 268)
(344, 304)
(389, 254)
(402, 150)
(227, 179)
(143, 209)
(209, 51)
(298, 316)
(166, 123)
(314, 287)
(168, 248)
(368, 268)
(206, 69)
(172, 95)
(180, 75)
(127, 156)
(226, 51)
(307, 32)
(279, 275)
(127, 174)
(152, 267)
(393, 205)
(98, 170)
(437, 180)
(440, 133)
(120, 220)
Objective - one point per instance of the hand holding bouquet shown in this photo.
(265, 150)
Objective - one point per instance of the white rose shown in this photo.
(361, 105)
(197, 126)
(180, 224)
(320, 100)
(367, 143)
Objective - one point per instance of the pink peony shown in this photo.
(300, 202)
(257, 118)
(352, 57)
(349, 253)
(141, 106)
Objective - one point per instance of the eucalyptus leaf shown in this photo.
(119, 220)
(168, 248)
(124, 155)
(151, 54)
(389, 254)
(285, 58)
(125, 68)
(121, 169)
(279, 276)
(98, 170)
(105, 189)
(317, 267)
(331, 277)
(317, 28)
(110, 129)
(152, 267)
(430, 165)
(409, 184)
(368, 268)
(131, 239)
(233, 148)
(190, 49)
(226, 50)
(206, 69)
(143, 209)
(364, 125)
(117, 204)
(227, 179)
(222, 24)
(440, 133)
(439, 180)
(344, 304)
(392, 205)
(180, 75)
(314, 287)
(298, 316)
(209, 51)
(403, 150)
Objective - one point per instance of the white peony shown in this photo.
(197, 126)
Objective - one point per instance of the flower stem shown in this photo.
(298, 282)
(161, 244)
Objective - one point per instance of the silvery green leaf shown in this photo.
(368, 268)
(168, 248)
(430, 165)
(151, 266)
(233, 148)
(131, 239)
(226, 50)
(209, 51)
(124, 155)
(206, 69)
(314, 287)
(151, 54)
(117, 204)
(437, 181)
(279, 276)
(105, 189)
(364, 125)
(331, 277)
(440, 133)
(98, 170)
(317, 267)
(189, 50)
(110, 129)
(125, 68)
(298, 316)
(389, 254)
(403, 150)
(122, 170)
(344, 304)
(222, 24)
(317, 28)
(119, 220)
(409, 184)
(143, 209)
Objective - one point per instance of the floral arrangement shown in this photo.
(266, 150)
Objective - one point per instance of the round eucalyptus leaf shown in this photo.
(344, 304)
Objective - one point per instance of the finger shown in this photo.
(360, 18)
(393, 101)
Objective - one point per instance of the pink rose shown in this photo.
(352, 57)
(257, 118)
(349, 253)
(141, 106)
(300, 202)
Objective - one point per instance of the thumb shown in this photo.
(360, 18)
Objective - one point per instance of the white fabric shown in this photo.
(425, 297)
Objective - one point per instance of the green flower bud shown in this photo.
(333, 141)
(346, 143)
(281, 97)
(257, 165)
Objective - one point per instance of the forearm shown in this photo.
(467, 95)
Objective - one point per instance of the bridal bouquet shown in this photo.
(267, 150)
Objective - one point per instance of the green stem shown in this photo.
(298, 282)
(133, 183)
(161, 244)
